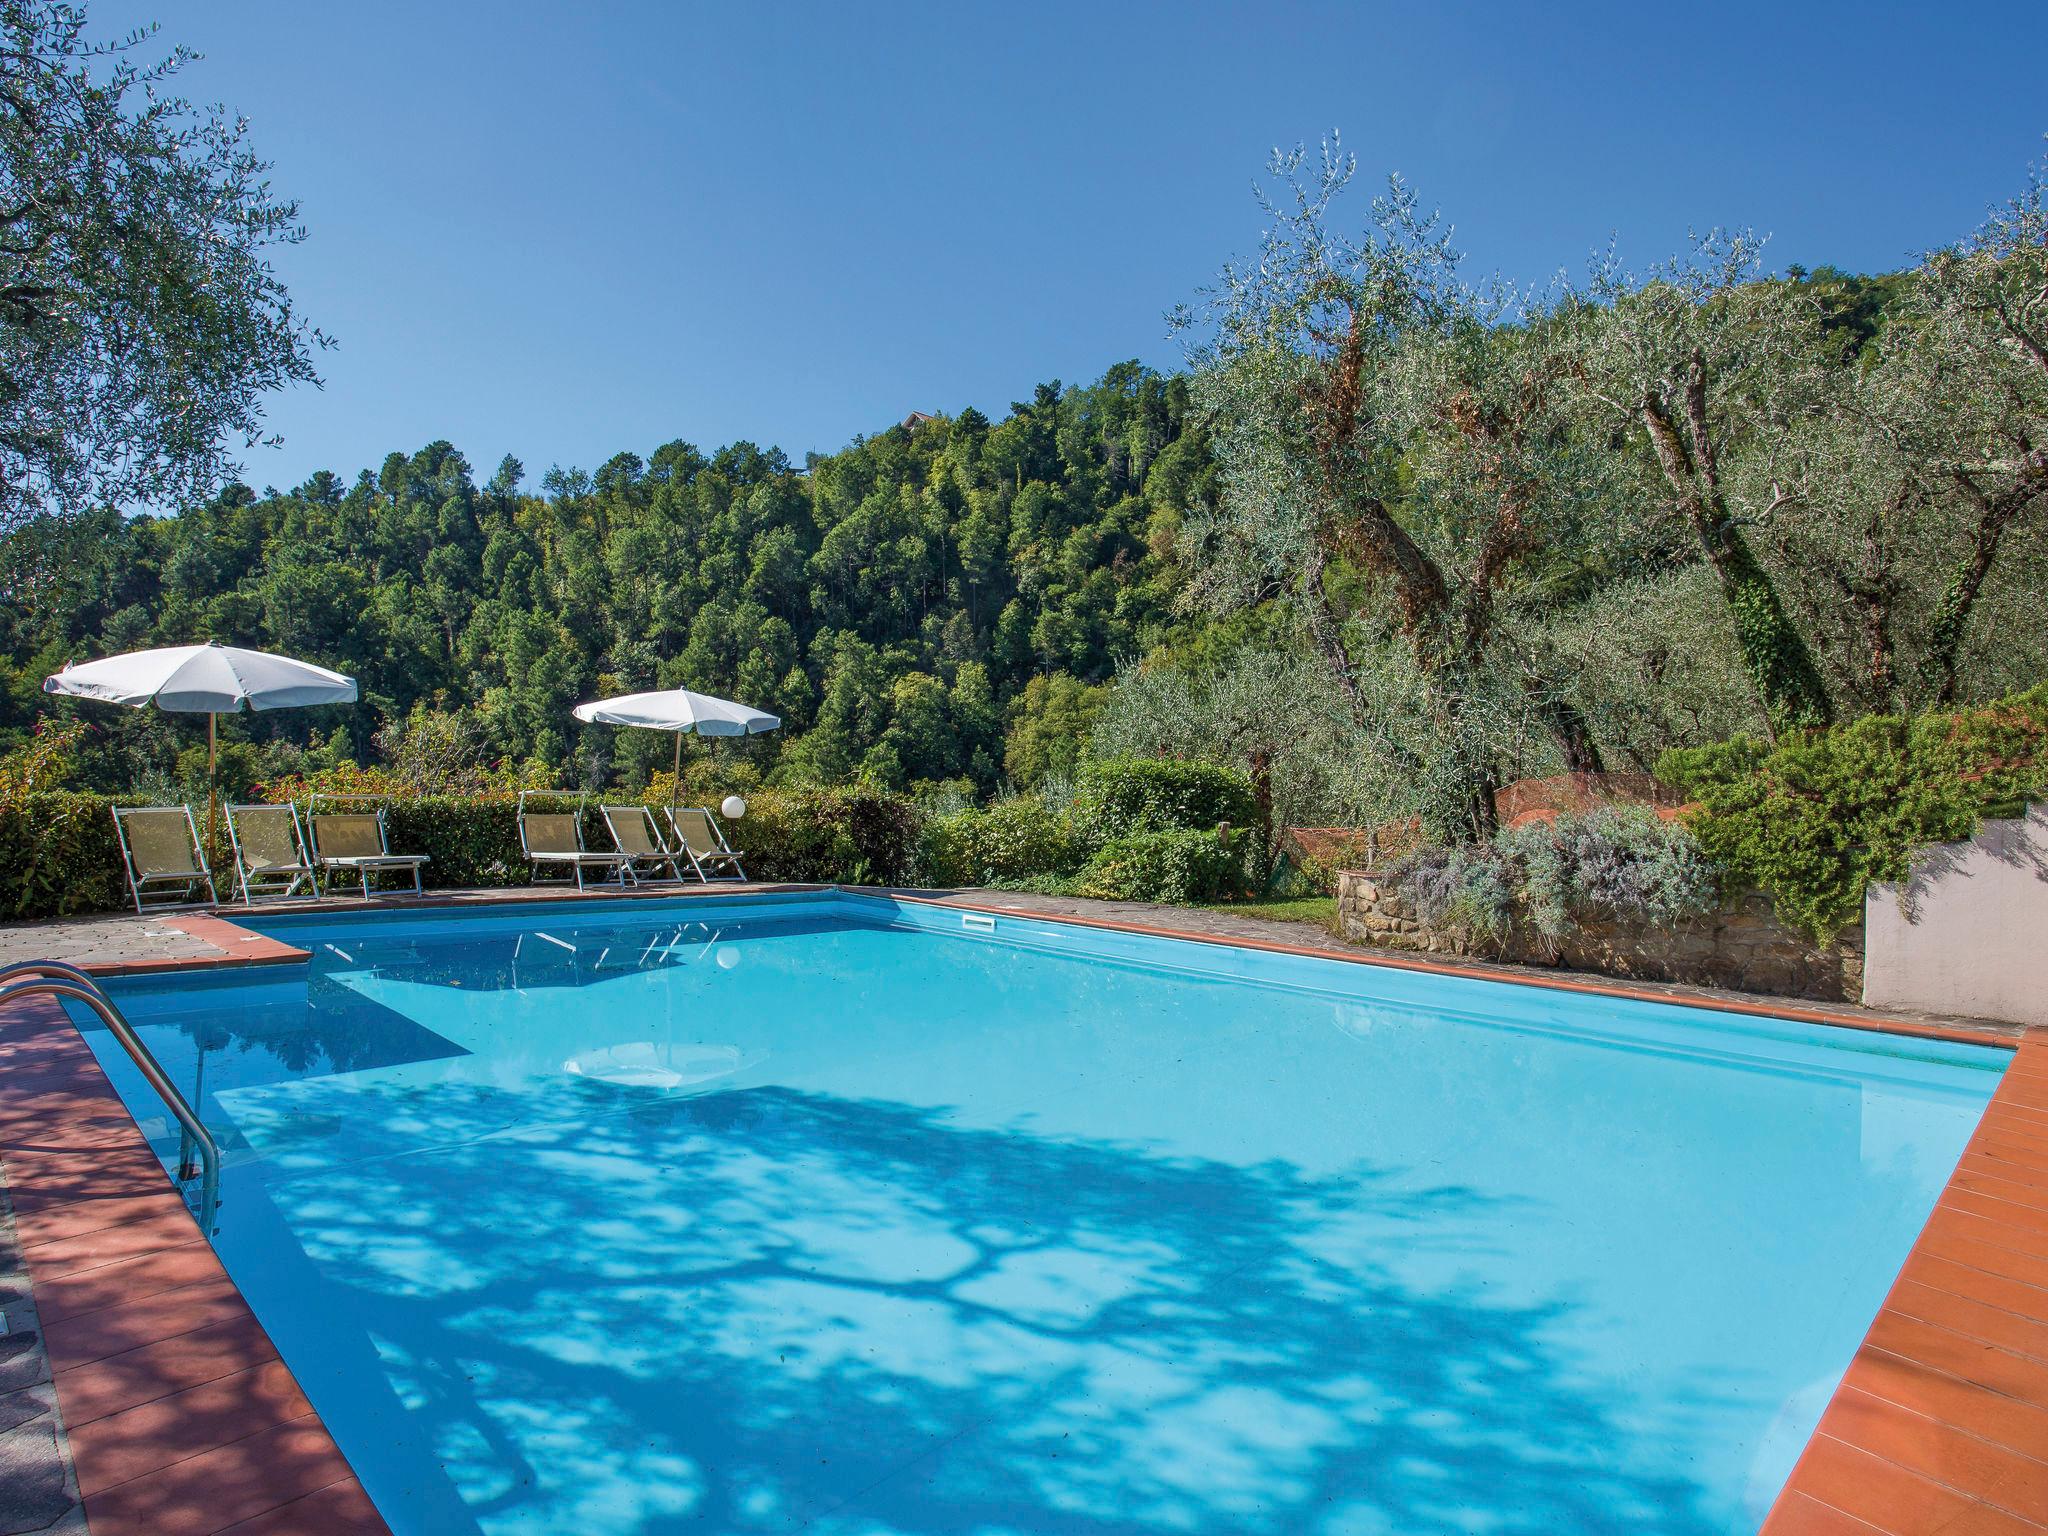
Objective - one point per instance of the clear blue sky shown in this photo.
(563, 231)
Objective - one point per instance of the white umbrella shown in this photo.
(679, 710)
(212, 680)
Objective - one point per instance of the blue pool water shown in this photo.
(831, 1215)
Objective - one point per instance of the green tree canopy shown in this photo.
(141, 323)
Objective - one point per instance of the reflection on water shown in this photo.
(747, 1227)
(783, 1310)
(657, 1063)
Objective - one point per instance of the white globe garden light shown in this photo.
(732, 808)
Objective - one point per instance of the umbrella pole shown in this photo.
(675, 778)
(212, 753)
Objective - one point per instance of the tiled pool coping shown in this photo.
(179, 1415)
(182, 1418)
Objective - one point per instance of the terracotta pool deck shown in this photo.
(131, 1347)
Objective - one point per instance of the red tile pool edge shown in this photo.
(185, 1417)
(1941, 1421)
(181, 1418)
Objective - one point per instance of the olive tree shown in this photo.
(141, 323)
(1274, 713)
(1396, 458)
(1703, 360)
(1963, 394)
(1899, 510)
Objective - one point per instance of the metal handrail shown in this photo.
(54, 978)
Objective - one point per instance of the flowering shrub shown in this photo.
(1613, 863)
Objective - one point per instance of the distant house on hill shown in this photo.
(917, 419)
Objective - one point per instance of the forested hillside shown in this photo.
(1395, 538)
(892, 602)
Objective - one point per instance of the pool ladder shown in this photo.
(53, 978)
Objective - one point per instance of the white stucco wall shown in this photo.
(1972, 937)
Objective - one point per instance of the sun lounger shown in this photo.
(554, 840)
(699, 839)
(270, 852)
(633, 829)
(160, 850)
(356, 843)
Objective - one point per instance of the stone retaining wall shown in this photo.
(1742, 946)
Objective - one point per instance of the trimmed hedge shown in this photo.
(59, 855)
(822, 836)
(61, 858)
(1179, 866)
(858, 837)
(1012, 841)
(474, 840)
(1120, 796)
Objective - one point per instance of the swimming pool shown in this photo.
(838, 1214)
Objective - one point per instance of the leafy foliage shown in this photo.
(1619, 864)
(1012, 841)
(859, 837)
(141, 322)
(58, 854)
(1050, 725)
(1178, 867)
(1821, 816)
(893, 602)
(1142, 825)
(1118, 797)
(473, 841)
(1397, 462)
(42, 762)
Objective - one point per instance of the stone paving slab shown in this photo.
(38, 1484)
(94, 940)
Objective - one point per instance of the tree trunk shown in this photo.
(1485, 803)
(1573, 731)
(1327, 636)
(1774, 653)
(1942, 665)
(1262, 797)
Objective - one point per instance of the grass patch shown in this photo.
(1321, 910)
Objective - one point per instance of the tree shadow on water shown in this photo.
(769, 1310)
